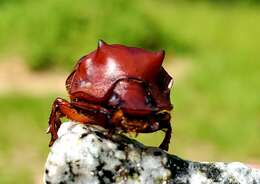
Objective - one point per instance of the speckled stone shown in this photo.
(87, 155)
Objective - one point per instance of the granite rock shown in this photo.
(86, 154)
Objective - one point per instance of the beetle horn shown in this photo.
(160, 55)
(101, 43)
(158, 58)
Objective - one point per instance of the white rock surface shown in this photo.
(87, 155)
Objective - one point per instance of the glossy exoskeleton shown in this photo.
(120, 88)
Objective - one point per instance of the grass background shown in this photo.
(212, 51)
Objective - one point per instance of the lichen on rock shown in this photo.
(85, 154)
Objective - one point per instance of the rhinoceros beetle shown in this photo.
(123, 89)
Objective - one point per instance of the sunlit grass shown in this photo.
(23, 142)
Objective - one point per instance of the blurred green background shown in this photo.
(212, 51)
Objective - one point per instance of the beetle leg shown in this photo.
(167, 138)
(114, 122)
(152, 125)
(90, 107)
(62, 108)
(163, 125)
(117, 117)
(99, 114)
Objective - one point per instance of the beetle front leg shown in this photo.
(62, 108)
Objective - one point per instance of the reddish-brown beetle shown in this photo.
(119, 88)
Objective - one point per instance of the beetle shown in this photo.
(121, 88)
